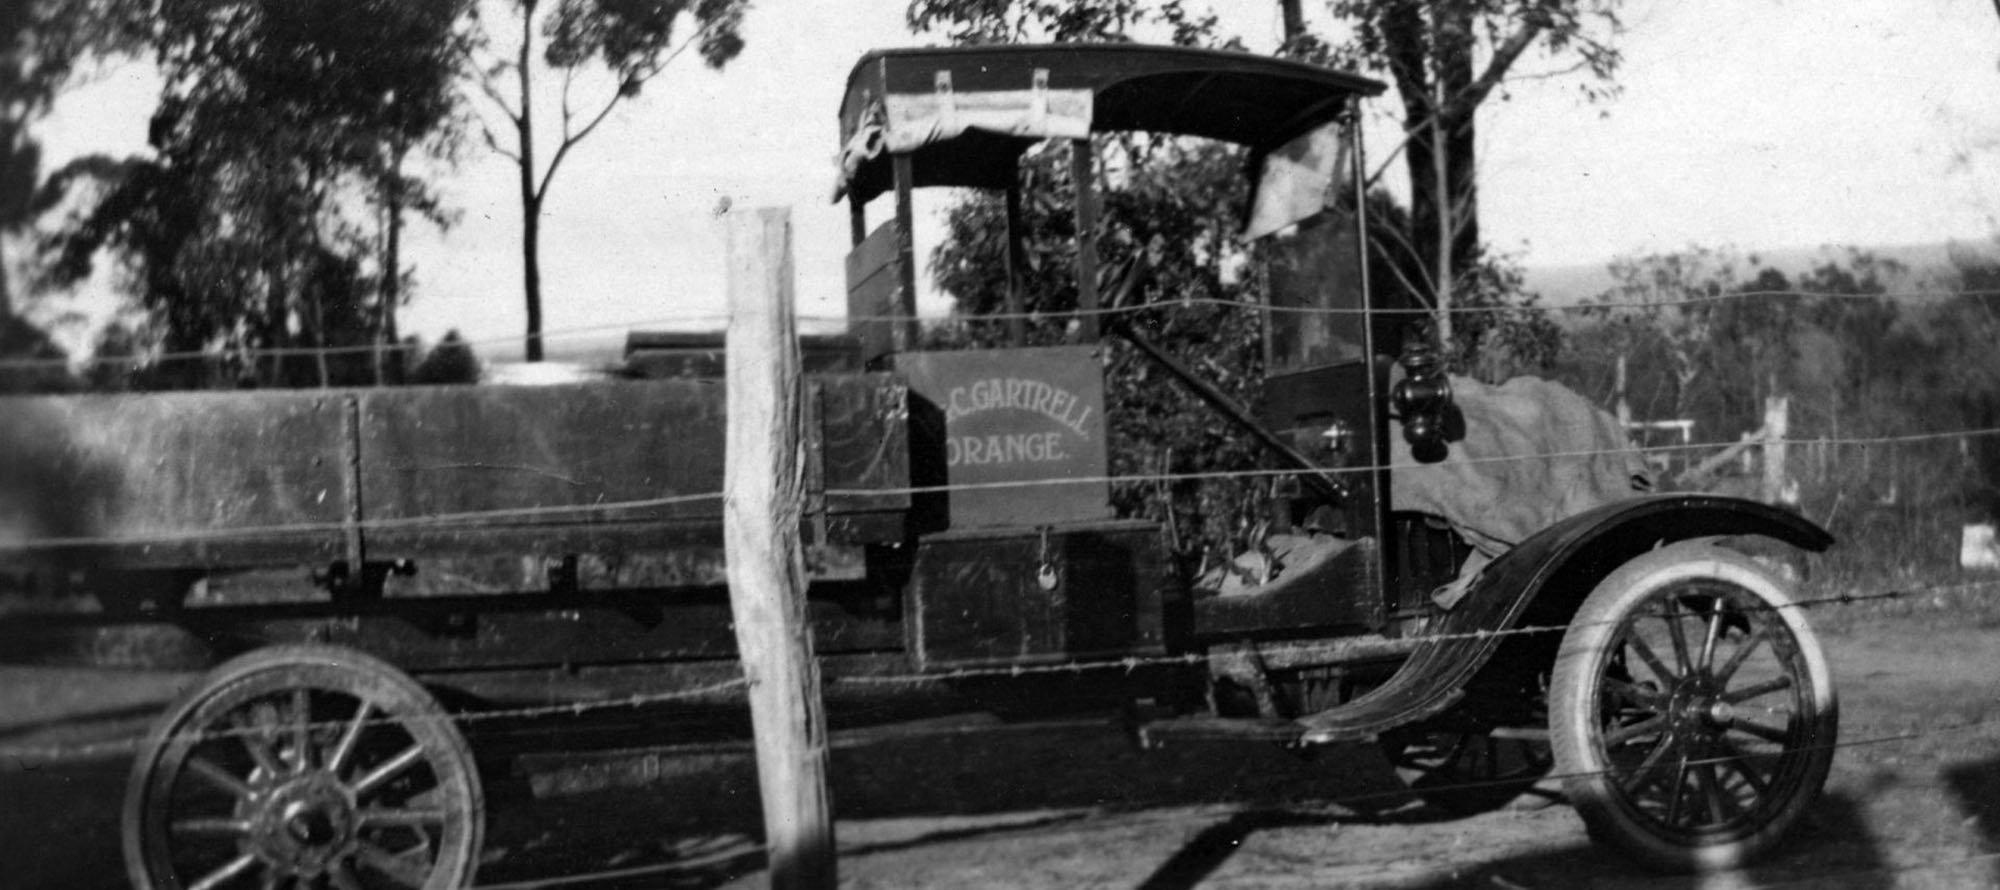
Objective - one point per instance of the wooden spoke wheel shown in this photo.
(304, 766)
(1692, 711)
(1470, 771)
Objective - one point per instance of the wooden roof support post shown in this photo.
(1083, 170)
(762, 502)
(906, 331)
(1017, 268)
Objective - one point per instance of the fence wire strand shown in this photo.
(607, 511)
(48, 754)
(717, 319)
(42, 754)
(55, 754)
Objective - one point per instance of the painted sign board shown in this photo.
(1023, 427)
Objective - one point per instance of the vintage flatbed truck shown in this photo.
(362, 569)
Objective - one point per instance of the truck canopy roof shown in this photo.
(965, 114)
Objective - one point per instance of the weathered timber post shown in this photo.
(1777, 487)
(761, 507)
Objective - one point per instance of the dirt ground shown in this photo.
(967, 802)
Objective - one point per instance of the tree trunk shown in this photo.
(392, 265)
(1431, 62)
(531, 200)
(6, 293)
(1293, 14)
(531, 272)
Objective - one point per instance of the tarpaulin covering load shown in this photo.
(1530, 452)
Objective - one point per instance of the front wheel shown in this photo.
(1691, 711)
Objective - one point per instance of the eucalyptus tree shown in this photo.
(1446, 59)
(275, 124)
(42, 42)
(631, 42)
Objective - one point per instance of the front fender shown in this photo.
(1539, 584)
(1546, 577)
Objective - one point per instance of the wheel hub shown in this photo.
(1698, 706)
(304, 824)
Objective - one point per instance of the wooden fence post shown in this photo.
(762, 504)
(1777, 487)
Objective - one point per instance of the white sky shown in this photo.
(1754, 123)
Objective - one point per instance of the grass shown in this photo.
(1909, 550)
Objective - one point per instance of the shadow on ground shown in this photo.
(59, 822)
(939, 784)
(1977, 788)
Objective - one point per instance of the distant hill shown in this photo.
(1928, 267)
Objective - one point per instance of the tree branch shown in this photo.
(1565, 72)
(1396, 238)
(570, 140)
(1504, 57)
(568, 114)
(493, 143)
(639, 76)
(492, 93)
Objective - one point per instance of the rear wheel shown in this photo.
(1692, 712)
(307, 766)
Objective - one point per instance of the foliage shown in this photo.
(276, 123)
(30, 362)
(1429, 50)
(1178, 205)
(1179, 202)
(450, 361)
(1705, 342)
(41, 44)
(1059, 21)
(1446, 58)
(632, 41)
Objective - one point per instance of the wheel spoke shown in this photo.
(388, 770)
(1756, 689)
(1678, 635)
(399, 867)
(1742, 652)
(336, 762)
(218, 777)
(414, 816)
(1741, 763)
(1767, 733)
(225, 873)
(1646, 773)
(211, 825)
(301, 713)
(1653, 662)
(1632, 693)
(1711, 789)
(1714, 631)
(1679, 788)
(1626, 733)
(258, 729)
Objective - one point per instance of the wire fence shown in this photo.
(1125, 665)
(596, 512)
(744, 855)
(716, 320)
(638, 508)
